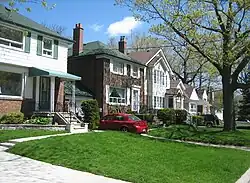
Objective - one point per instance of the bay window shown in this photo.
(10, 84)
(118, 68)
(117, 95)
(11, 37)
(47, 47)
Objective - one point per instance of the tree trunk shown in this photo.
(228, 104)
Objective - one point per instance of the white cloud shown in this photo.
(123, 27)
(96, 27)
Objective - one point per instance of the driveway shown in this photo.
(18, 169)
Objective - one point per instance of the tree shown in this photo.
(217, 29)
(112, 43)
(13, 4)
(54, 27)
(244, 107)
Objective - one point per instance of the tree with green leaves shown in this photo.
(14, 4)
(217, 29)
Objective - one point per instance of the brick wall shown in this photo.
(7, 106)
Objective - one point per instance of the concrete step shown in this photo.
(7, 144)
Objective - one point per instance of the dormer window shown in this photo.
(47, 47)
(11, 37)
(135, 71)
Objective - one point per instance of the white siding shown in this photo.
(16, 57)
(194, 95)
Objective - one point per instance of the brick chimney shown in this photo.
(122, 44)
(78, 38)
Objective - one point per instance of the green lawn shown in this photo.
(6, 135)
(138, 159)
(207, 135)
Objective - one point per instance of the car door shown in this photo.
(118, 122)
(106, 122)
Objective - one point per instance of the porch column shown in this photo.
(174, 102)
(182, 102)
(73, 97)
(166, 102)
(52, 94)
(37, 92)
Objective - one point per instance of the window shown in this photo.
(117, 95)
(135, 71)
(159, 77)
(193, 107)
(118, 67)
(10, 84)
(11, 37)
(134, 118)
(47, 47)
(154, 101)
(159, 102)
(119, 118)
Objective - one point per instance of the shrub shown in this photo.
(12, 118)
(39, 120)
(167, 116)
(181, 116)
(198, 120)
(146, 117)
(129, 111)
(91, 112)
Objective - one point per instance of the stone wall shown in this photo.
(32, 126)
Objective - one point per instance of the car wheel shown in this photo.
(209, 125)
(124, 129)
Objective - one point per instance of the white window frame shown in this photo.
(44, 49)
(14, 42)
(18, 97)
(119, 70)
(193, 109)
(135, 71)
(117, 98)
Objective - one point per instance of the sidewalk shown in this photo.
(16, 169)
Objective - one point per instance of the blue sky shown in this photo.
(100, 18)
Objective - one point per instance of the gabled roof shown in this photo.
(200, 92)
(189, 90)
(78, 90)
(17, 19)
(143, 56)
(174, 83)
(99, 48)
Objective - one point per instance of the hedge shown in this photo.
(171, 116)
(146, 117)
(91, 112)
(12, 118)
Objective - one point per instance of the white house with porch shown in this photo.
(33, 66)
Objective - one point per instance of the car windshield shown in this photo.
(134, 118)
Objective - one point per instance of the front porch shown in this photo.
(48, 92)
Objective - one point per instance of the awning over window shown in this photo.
(46, 72)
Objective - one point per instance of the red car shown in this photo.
(123, 122)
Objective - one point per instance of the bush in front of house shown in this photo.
(198, 120)
(12, 118)
(39, 121)
(180, 116)
(91, 112)
(167, 116)
(147, 117)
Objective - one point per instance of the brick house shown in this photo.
(33, 65)
(112, 77)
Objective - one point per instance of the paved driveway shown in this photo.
(18, 169)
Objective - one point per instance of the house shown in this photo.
(33, 65)
(81, 94)
(157, 78)
(203, 106)
(192, 100)
(176, 94)
(115, 79)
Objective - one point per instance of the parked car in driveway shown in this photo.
(210, 120)
(123, 122)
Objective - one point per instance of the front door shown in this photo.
(135, 102)
(44, 94)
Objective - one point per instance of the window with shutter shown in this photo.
(39, 45)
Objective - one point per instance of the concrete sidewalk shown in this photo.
(17, 169)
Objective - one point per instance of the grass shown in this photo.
(138, 159)
(206, 135)
(6, 135)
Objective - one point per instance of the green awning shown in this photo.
(33, 71)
